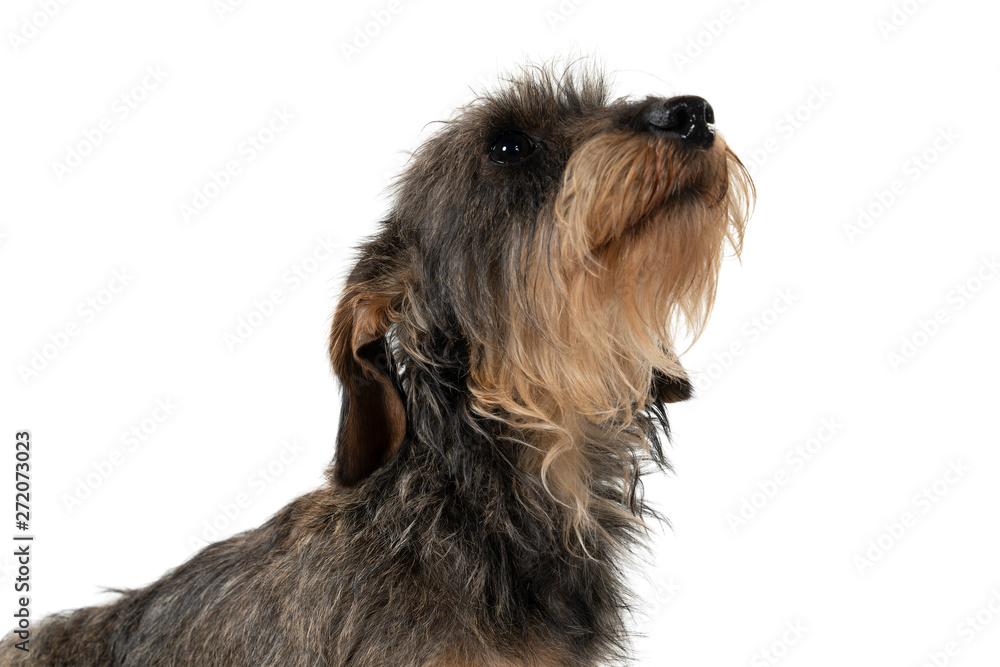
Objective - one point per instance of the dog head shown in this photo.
(546, 251)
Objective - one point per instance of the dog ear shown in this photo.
(372, 413)
(670, 388)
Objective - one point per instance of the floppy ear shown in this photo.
(671, 389)
(372, 414)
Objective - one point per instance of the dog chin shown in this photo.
(704, 183)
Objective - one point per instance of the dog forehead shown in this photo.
(538, 99)
(450, 183)
(558, 109)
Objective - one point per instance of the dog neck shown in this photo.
(522, 553)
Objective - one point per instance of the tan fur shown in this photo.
(639, 239)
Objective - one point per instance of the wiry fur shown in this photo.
(506, 345)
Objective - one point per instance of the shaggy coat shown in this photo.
(506, 347)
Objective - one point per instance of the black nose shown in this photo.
(688, 118)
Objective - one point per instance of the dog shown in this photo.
(507, 343)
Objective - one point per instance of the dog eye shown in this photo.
(511, 147)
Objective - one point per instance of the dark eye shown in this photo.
(511, 147)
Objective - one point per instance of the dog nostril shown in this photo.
(688, 118)
(671, 120)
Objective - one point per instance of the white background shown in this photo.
(831, 104)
